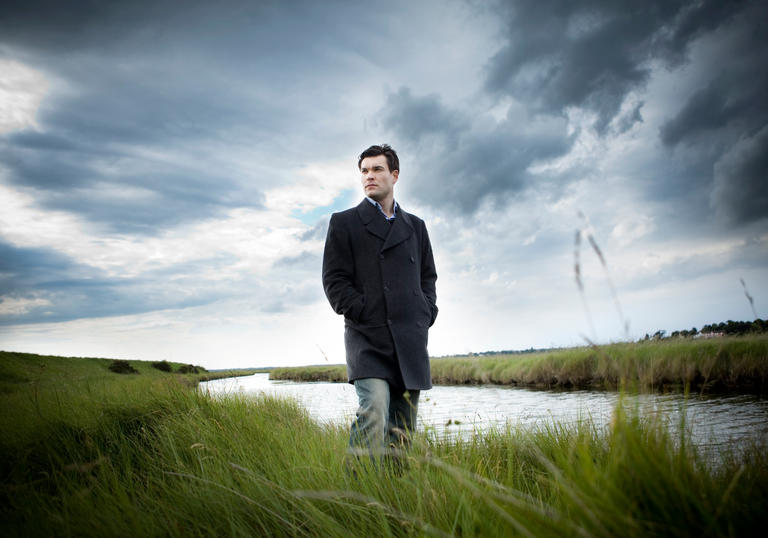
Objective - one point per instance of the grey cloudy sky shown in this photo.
(167, 168)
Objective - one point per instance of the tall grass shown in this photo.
(734, 364)
(151, 457)
(45, 392)
(335, 373)
(722, 364)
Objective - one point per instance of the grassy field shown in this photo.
(738, 364)
(43, 390)
(90, 453)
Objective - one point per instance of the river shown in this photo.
(713, 421)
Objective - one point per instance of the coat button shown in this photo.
(413, 260)
(381, 256)
(386, 288)
(389, 322)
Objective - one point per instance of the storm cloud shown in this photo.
(725, 116)
(165, 161)
(595, 59)
(593, 53)
(740, 192)
(48, 286)
(151, 102)
(463, 162)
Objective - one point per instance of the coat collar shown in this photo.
(392, 234)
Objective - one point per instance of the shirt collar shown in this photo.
(381, 209)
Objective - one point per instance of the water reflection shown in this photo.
(462, 410)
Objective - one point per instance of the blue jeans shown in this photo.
(385, 416)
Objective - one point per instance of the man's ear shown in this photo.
(395, 175)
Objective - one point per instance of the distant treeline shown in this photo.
(505, 352)
(729, 328)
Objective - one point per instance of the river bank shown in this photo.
(463, 411)
(730, 364)
(92, 454)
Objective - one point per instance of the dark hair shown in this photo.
(374, 151)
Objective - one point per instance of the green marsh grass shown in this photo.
(335, 373)
(148, 455)
(734, 364)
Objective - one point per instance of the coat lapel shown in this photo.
(400, 230)
(372, 219)
(392, 234)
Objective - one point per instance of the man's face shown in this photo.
(378, 181)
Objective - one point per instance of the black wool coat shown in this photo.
(381, 277)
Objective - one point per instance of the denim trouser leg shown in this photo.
(402, 417)
(383, 416)
(369, 428)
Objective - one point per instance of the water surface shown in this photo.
(463, 410)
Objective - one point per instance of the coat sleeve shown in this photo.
(338, 272)
(428, 273)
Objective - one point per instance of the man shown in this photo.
(379, 273)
